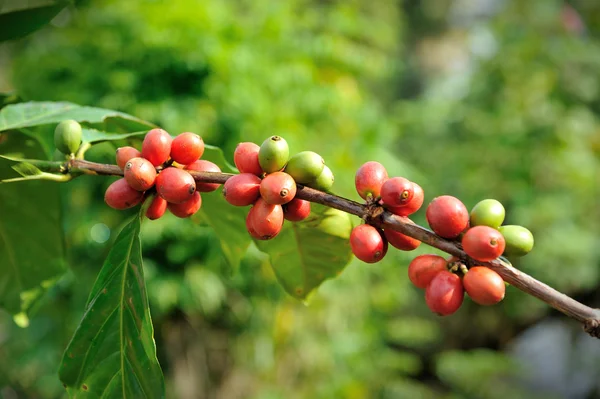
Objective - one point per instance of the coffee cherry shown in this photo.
(488, 212)
(156, 146)
(120, 195)
(483, 243)
(447, 216)
(175, 185)
(157, 208)
(519, 240)
(413, 205)
(369, 178)
(202, 165)
(305, 166)
(140, 173)
(401, 241)
(67, 136)
(278, 188)
(266, 219)
(484, 285)
(245, 158)
(296, 210)
(324, 181)
(242, 189)
(397, 191)
(423, 269)
(124, 154)
(445, 293)
(187, 148)
(273, 154)
(250, 227)
(367, 243)
(187, 208)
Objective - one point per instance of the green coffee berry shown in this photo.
(519, 240)
(305, 166)
(67, 136)
(324, 181)
(274, 153)
(488, 212)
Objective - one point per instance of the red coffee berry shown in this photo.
(483, 243)
(202, 165)
(484, 285)
(175, 185)
(157, 208)
(156, 146)
(397, 191)
(187, 148)
(187, 208)
(423, 269)
(401, 241)
(367, 243)
(120, 195)
(124, 154)
(250, 227)
(445, 293)
(140, 173)
(245, 158)
(278, 188)
(369, 179)
(242, 189)
(266, 219)
(296, 210)
(411, 206)
(447, 216)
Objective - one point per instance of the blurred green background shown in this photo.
(472, 98)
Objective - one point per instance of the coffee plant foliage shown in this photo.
(347, 79)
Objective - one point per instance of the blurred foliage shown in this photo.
(476, 99)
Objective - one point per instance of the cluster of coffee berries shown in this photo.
(67, 137)
(267, 181)
(161, 168)
(399, 196)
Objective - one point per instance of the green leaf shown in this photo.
(96, 136)
(307, 253)
(31, 237)
(228, 221)
(18, 18)
(112, 353)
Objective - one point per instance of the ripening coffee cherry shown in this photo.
(367, 243)
(266, 219)
(156, 146)
(423, 269)
(445, 293)
(324, 181)
(175, 185)
(484, 285)
(369, 178)
(519, 240)
(120, 195)
(67, 136)
(186, 208)
(413, 205)
(488, 212)
(242, 189)
(397, 191)
(273, 154)
(250, 227)
(157, 208)
(305, 166)
(202, 165)
(401, 241)
(296, 210)
(124, 154)
(278, 188)
(140, 173)
(187, 148)
(447, 216)
(245, 158)
(483, 243)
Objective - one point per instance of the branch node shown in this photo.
(592, 327)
